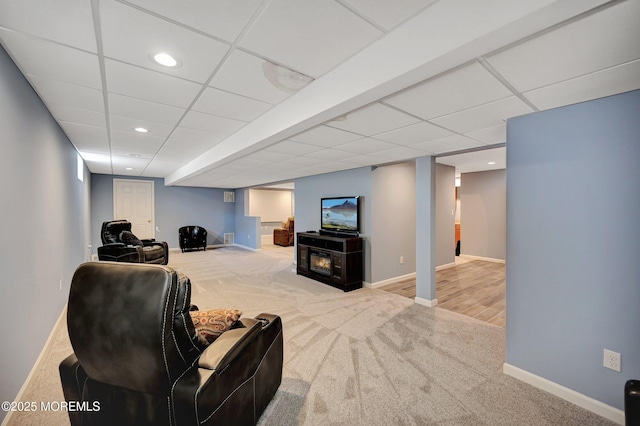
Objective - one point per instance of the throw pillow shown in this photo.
(211, 324)
(129, 239)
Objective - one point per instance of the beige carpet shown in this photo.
(366, 357)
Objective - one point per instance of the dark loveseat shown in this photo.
(137, 361)
(131, 249)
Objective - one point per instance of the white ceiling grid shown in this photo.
(236, 112)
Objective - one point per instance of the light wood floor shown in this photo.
(475, 289)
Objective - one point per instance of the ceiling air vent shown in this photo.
(229, 197)
(229, 238)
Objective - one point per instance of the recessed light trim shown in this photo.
(491, 163)
(141, 129)
(165, 60)
(129, 168)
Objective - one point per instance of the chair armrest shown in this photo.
(114, 245)
(148, 241)
(229, 345)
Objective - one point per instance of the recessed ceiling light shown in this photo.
(129, 168)
(491, 163)
(165, 59)
(141, 130)
(134, 155)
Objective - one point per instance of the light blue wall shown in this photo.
(426, 229)
(175, 206)
(573, 244)
(309, 191)
(247, 231)
(44, 226)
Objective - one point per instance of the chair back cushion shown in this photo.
(129, 325)
(110, 232)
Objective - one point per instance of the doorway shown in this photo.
(133, 200)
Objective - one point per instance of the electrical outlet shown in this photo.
(60, 286)
(401, 259)
(612, 360)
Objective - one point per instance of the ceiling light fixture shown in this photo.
(129, 168)
(141, 130)
(284, 78)
(165, 59)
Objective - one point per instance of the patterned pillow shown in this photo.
(211, 324)
(129, 239)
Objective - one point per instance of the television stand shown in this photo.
(333, 260)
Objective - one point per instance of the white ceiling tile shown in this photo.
(70, 95)
(373, 119)
(414, 133)
(619, 79)
(120, 163)
(51, 60)
(246, 75)
(329, 154)
(325, 136)
(388, 14)
(88, 138)
(196, 136)
(309, 36)
(230, 105)
(449, 144)
(66, 21)
(221, 18)
(271, 157)
(292, 147)
(366, 146)
(137, 143)
(599, 41)
(78, 116)
(129, 80)
(98, 167)
(133, 36)
(126, 106)
(126, 124)
(483, 116)
(211, 123)
(490, 135)
(301, 162)
(398, 153)
(453, 91)
(361, 161)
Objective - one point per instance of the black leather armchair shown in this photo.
(192, 237)
(136, 359)
(116, 250)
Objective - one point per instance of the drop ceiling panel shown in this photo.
(66, 21)
(398, 153)
(53, 61)
(483, 116)
(308, 36)
(126, 124)
(619, 79)
(230, 105)
(99, 167)
(366, 146)
(70, 95)
(449, 144)
(211, 123)
(414, 133)
(593, 43)
(373, 119)
(329, 154)
(464, 88)
(129, 80)
(490, 135)
(385, 13)
(221, 18)
(476, 161)
(89, 138)
(269, 156)
(78, 116)
(293, 148)
(126, 106)
(301, 162)
(196, 136)
(244, 74)
(325, 136)
(137, 143)
(133, 36)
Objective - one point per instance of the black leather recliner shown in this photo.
(136, 359)
(192, 237)
(115, 250)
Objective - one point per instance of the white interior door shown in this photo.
(133, 200)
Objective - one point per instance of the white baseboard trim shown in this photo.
(426, 302)
(18, 397)
(445, 266)
(244, 247)
(586, 402)
(486, 259)
(389, 281)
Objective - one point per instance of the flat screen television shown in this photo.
(340, 214)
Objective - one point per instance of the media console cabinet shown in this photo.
(333, 260)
